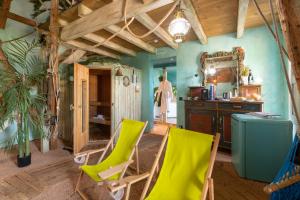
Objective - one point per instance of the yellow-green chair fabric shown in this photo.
(129, 134)
(185, 164)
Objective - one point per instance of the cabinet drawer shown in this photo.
(201, 105)
(240, 107)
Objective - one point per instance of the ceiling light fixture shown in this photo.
(179, 26)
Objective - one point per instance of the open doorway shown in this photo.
(99, 104)
(165, 69)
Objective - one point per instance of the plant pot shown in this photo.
(24, 161)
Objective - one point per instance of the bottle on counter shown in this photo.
(250, 77)
(211, 92)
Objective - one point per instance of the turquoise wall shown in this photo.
(261, 55)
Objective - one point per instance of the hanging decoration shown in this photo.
(179, 26)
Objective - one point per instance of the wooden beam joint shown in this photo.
(149, 23)
(191, 15)
(107, 15)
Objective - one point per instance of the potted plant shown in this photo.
(244, 75)
(21, 101)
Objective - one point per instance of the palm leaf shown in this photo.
(16, 86)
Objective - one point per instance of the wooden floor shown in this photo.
(30, 184)
(56, 180)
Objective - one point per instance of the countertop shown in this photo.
(226, 101)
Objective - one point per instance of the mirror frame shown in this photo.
(237, 54)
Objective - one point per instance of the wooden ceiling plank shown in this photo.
(125, 35)
(74, 57)
(22, 19)
(192, 17)
(86, 47)
(4, 10)
(242, 15)
(149, 23)
(107, 15)
(98, 39)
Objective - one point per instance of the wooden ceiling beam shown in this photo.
(149, 23)
(74, 57)
(22, 19)
(107, 15)
(125, 35)
(99, 39)
(4, 10)
(192, 17)
(242, 15)
(86, 47)
(114, 29)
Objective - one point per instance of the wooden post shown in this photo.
(4, 10)
(290, 23)
(53, 78)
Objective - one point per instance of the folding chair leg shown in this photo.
(137, 160)
(82, 195)
(78, 181)
(211, 189)
(77, 187)
(128, 191)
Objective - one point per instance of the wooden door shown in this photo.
(81, 107)
(202, 121)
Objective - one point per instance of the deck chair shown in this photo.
(116, 164)
(186, 170)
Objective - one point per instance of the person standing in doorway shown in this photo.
(166, 93)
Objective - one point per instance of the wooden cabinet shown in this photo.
(204, 121)
(215, 116)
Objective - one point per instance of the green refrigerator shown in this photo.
(259, 145)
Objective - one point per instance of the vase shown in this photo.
(244, 80)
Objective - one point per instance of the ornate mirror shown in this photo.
(222, 66)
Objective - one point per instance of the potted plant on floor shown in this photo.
(21, 102)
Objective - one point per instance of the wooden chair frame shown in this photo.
(128, 181)
(121, 168)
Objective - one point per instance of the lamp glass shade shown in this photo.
(179, 27)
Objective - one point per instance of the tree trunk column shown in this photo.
(53, 79)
